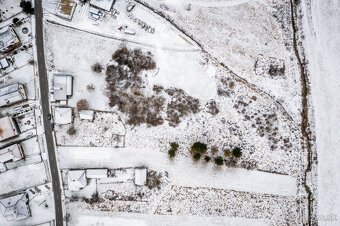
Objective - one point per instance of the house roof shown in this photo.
(96, 173)
(11, 153)
(103, 4)
(140, 176)
(12, 94)
(62, 87)
(7, 128)
(4, 63)
(15, 207)
(7, 37)
(62, 115)
(76, 180)
(86, 114)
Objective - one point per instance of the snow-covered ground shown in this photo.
(89, 218)
(322, 32)
(22, 177)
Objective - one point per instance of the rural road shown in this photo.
(43, 79)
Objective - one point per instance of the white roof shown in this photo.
(4, 63)
(63, 115)
(15, 207)
(96, 173)
(11, 153)
(12, 94)
(140, 176)
(62, 87)
(76, 180)
(86, 114)
(7, 37)
(7, 128)
(94, 10)
(103, 4)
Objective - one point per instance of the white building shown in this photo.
(62, 115)
(8, 128)
(12, 94)
(62, 87)
(8, 39)
(140, 176)
(15, 208)
(4, 63)
(86, 115)
(96, 173)
(76, 180)
(11, 153)
(103, 4)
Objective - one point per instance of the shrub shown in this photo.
(90, 87)
(15, 20)
(82, 105)
(218, 160)
(237, 152)
(174, 147)
(214, 150)
(26, 6)
(207, 158)
(97, 67)
(227, 153)
(199, 147)
(197, 156)
(71, 131)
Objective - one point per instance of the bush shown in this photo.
(197, 156)
(227, 153)
(219, 160)
(26, 6)
(82, 105)
(214, 150)
(15, 20)
(97, 67)
(207, 158)
(237, 152)
(199, 147)
(71, 131)
(174, 147)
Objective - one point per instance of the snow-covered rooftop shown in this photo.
(103, 4)
(7, 128)
(140, 176)
(11, 153)
(15, 207)
(76, 180)
(86, 114)
(63, 115)
(96, 173)
(8, 38)
(62, 87)
(12, 94)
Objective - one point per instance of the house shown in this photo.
(16, 207)
(86, 115)
(76, 180)
(8, 128)
(140, 176)
(62, 115)
(12, 94)
(9, 40)
(62, 87)
(4, 63)
(103, 4)
(11, 153)
(96, 173)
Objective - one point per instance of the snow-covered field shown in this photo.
(236, 54)
(322, 28)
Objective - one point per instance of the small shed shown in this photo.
(140, 176)
(86, 115)
(4, 63)
(63, 115)
(96, 173)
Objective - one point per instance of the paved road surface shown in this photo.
(45, 111)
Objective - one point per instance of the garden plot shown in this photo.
(8, 9)
(232, 32)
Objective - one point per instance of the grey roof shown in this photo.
(15, 207)
(12, 94)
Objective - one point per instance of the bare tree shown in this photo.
(82, 105)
